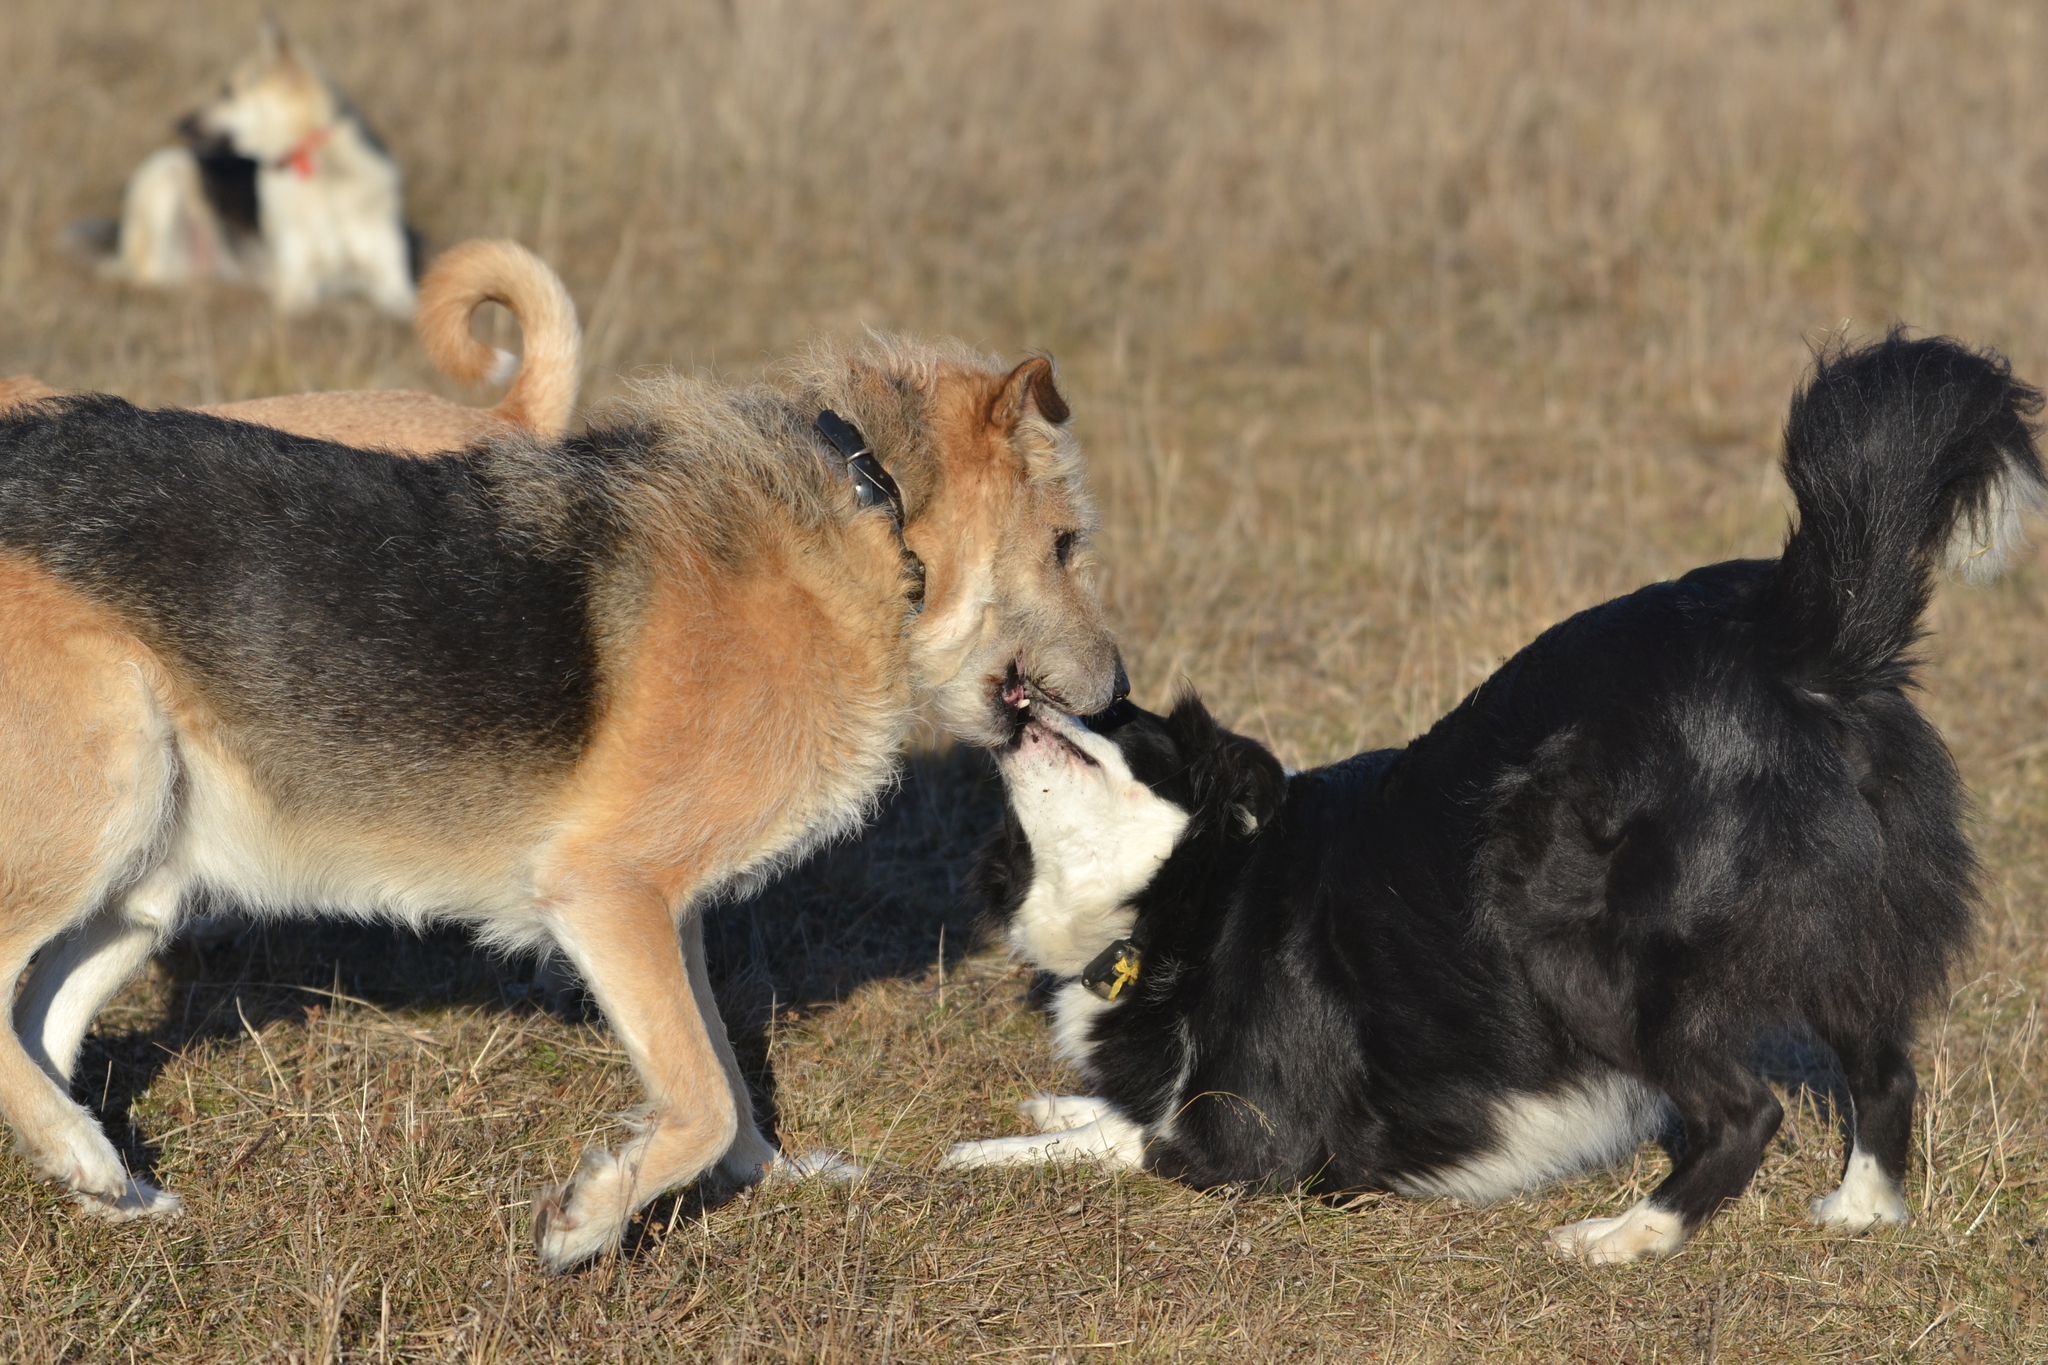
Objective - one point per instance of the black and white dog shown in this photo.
(1530, 940)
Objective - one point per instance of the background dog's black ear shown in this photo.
(1190, 723)
(1235, 777)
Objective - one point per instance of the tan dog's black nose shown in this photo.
(1120, 686)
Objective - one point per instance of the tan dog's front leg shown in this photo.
(751, 1156)
(625, 944)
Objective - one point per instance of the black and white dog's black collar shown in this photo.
(1114, 968)
(874, 487)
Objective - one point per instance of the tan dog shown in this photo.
(562, 692)
(542, 398)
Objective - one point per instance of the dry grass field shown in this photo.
(1395, 332)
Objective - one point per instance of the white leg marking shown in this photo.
(1110, 1141)
(60, 1137)
(72, 1150)
(1644, 1231)
(1867, 1197)
(1057, 1113)
(53, 1015)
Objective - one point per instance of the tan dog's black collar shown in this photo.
(873, 486)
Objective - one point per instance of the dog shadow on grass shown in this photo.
(868, 909)
(871, 908)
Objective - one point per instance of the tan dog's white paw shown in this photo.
(586, 1215)
(85, 1164)
(138, 1199)
(1641, 1233)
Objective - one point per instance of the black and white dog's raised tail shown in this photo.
(1559, 921)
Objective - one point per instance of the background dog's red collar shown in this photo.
(300, 157)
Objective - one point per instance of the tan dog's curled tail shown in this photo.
(21, 389)
(488, 270)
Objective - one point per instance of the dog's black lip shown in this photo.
(1030, 722)
(1030, 691)
(1041, 695)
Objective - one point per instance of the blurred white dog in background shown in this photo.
(279, 183)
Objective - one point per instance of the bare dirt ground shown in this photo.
(1395, 333)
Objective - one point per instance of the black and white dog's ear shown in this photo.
(1233, 777)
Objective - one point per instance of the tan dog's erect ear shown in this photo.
(1028, 389)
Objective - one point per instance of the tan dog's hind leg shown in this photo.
(58, 1136)
(625, 943)
(76, 975)
(169, 234)
(87, 781)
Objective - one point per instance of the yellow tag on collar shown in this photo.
(1116, 967)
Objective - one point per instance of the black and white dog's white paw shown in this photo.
(1867, 1197)
(1070, 1128)
(1643, 1233)
(1057, 1113)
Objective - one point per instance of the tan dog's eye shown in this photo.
(1063, 546)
